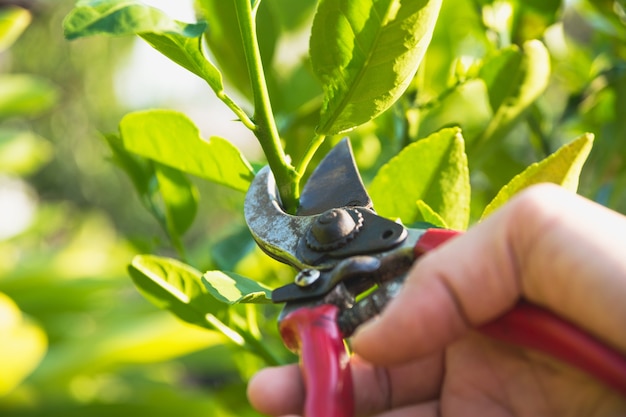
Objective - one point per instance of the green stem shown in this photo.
(237, 110)
(311, 149)
(265, 126)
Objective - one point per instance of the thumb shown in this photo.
(547, 245)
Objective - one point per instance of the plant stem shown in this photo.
(243, 117)
(313, 146)
(265, 126)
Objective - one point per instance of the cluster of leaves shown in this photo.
(21, 153)
(496, 91)
(73, 337)
(365, 56)
(358, 85)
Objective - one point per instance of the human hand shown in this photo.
(421, 357)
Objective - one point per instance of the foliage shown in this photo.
(452, 107)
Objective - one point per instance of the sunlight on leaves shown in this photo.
(430, 216)
(433, 170)
(13, 21)
(562, 167)
(115, 17)
(234, 289)
(26, 95)
(22, 152)
(366, 53)
(23, 345)
(171, 138)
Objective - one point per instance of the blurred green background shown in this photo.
(77, 339)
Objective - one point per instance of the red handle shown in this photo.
(533, 327)
(314, 334)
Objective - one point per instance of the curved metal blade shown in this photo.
(275, 231)
(335, 183)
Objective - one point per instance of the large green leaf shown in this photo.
(366, 52)
(23, 345)
(231, 288)
(25, 95)
(180, 198)
(433, 170)
(175, 286)
(515, 79)
(562, 167)
(172, 139)
(13, 21)
(122, 17)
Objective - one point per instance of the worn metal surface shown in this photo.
(276, 232)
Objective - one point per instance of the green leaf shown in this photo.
(25, 95)
(23, 345)
(430, 216)
(186, 52)
(172, 139)
(515, 79)
(433, 170)
(122, 17)
(365, 53)
(172, 285)
(22, 152)
(562, 167)
(231, 288)
(13, 21)
(180, 198)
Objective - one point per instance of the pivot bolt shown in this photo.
(333, 229)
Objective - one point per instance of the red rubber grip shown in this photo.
(314, 334)
(536, 328)
(533, 327)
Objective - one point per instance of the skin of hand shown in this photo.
(421, 356)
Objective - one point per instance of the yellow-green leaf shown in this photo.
(122, 17)
(13, 21)
(430, 216)
(562, 167)
(366, 53)
(231, 288)
(22, 345)
(433, 170)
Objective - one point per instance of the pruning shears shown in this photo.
(351, 262)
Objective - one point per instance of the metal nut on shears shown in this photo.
(333, 229)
